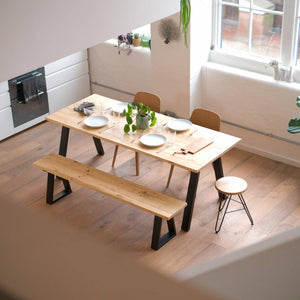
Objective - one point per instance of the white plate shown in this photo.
(96, 121)
(180, 124)
(119, 107)
(153, 140)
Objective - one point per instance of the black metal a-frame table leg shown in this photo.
(157, 240)
(219, 174)
(51, 198)
(64, 139)
(98, 146)
(190, 200)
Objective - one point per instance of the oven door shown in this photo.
(26, 111)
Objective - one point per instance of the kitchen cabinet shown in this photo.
(68, 93)
(6, 121)
(67, 81)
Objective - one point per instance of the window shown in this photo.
(257, 31)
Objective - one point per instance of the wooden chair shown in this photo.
(151, 100)
(202, 117)
(229, 186)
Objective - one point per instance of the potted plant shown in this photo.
(136, 40)
(144, 117)
(294, 124)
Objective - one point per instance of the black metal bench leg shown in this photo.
(98, 145)
(51, 198)
(157, 240)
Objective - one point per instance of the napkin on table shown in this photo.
(86, 107)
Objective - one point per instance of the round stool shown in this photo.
(230, 186)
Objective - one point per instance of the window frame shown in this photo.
(246, 61)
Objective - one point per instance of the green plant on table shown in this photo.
(142, 112)
(294, 124)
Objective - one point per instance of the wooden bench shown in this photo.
(160, 205)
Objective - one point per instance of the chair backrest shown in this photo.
(151, 100)
(206, 118)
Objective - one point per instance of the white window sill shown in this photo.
(267, 79)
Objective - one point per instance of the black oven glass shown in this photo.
(28, 94)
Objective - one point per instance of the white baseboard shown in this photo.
(266, 146)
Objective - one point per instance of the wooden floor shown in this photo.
(273, 198)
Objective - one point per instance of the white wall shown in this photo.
(129, 73)
(35, 33)
(171, 71)
(200, 43)
(257, 102)
(267, 270)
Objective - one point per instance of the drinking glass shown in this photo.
(159, 126)
(171, 136)
(116, 115)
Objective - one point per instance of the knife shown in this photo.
(109, 127)
(164, 148)
(193, 132)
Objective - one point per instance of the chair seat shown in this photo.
(231, 185)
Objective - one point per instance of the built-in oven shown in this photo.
(28, 94)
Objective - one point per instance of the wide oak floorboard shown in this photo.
(272, 197)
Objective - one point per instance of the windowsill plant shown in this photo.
(294, 124)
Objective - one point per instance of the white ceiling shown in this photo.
(34, 33)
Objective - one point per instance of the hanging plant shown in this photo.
(168, 30)
(185, 16)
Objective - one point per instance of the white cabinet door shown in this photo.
(68, 93)
(3, 86)
(6, 123)
(4, 100)
(65, 62)
(67, 74)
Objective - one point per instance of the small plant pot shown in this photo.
(142, 122)
(137, 42)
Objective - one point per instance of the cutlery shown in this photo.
(164, 148)
(193, 132)
(136, 138)
(80, 121)
(180, 152)
(109, 127)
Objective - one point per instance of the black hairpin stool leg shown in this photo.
(246, 208)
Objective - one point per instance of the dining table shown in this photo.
(110, 129)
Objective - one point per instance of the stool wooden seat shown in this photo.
(229, 186)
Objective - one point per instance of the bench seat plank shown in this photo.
(159, 204)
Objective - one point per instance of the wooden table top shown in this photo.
(222, 142)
